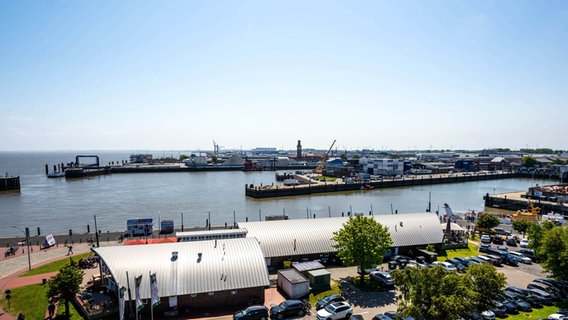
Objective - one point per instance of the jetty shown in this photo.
(311, 185)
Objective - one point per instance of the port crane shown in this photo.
(320, 166)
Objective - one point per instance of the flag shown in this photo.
(154, 290)
(121, 302)
(137, 281)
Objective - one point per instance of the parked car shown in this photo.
(511, 260)
(521, 257)
(546, 298)
(496, 261)
(287, 309)
(499, 309)
(382, 277)
(381, 316)
(484, 247)
(521, 304)
(328, 300)
(487, 315)
(526, 295)
(557, 316)
(510, 241)
(497, 240)
(445, 265)
(485, 239)
(553, 291)
(529, 254)
(456, 263)
(252, 313)
(524, 243)
(501, 231)
(336, 310)
(510, 307)
(401, 260)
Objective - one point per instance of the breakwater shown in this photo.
(313, 186)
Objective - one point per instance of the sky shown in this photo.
(382, 75)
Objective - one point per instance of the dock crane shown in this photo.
(320, 166)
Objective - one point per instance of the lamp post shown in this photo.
(27, 234)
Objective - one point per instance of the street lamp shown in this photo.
(27, 234)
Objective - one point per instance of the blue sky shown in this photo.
(176, 75)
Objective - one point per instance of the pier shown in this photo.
(311, 186)
(514, 201)
(8, 183)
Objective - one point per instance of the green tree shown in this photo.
(487, 221)
(433, 293)
(487, 284)
(535, 233)
(521, 225)
(528, 161)
(363, 242)
(554, 252)
(65, 285)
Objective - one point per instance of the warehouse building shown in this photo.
(310, 239)
(190, 275)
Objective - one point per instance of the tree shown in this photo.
(487, 284)
(65, 285)
(363, 242)
(487, 221)
(554, 252)
(528, 161)
(535, 233)
(433, 293)
(521, 225)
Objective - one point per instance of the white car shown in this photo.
(524, 243)
(488, 315)
(521, 257)
(338, 310)
(446, 265)
(557, 316)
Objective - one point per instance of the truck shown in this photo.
(139, 227)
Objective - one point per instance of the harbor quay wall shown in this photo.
(514, 201)
(323, 187)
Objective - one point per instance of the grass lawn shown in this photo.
(535, 314)
(319, 295)
(54, 266)
(452, 253)
(32, 302)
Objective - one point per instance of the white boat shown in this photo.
(56, 174)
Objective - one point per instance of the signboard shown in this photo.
(49, 241)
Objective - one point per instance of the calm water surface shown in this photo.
(57, 205)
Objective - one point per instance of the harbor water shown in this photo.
(58, 205)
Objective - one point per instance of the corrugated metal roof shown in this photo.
(230, 265)
(311, 236)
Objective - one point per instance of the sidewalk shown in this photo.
(13, 266)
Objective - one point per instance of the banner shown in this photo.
(121, 302)
(137, 281)
(154, 290)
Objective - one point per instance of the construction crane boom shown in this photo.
(320, 167)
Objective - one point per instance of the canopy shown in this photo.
(453, 226)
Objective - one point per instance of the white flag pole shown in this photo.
(151, 304)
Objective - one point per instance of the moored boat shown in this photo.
(56, 174)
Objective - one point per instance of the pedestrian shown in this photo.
(51, 309)
(70, 251)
